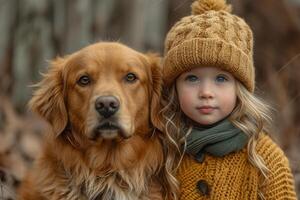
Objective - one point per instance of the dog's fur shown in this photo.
(82, 161)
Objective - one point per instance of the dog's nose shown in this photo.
(107, 105)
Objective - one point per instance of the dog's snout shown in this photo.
(107, 105)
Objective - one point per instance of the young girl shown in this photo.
(209, 102)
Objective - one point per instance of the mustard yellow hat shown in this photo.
(211, 36)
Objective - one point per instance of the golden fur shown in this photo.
(80, 161)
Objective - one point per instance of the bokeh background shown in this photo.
(32, 32)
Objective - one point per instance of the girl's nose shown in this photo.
(206, 90)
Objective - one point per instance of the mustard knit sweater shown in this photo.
(233, 177)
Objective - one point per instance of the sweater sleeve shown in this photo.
(280, 182)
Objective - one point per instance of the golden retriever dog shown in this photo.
(101, 103)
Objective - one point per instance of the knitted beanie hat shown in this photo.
(211, 36)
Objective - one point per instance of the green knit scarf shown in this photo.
(218, 140)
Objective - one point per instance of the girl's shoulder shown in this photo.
(279, 183)
(271, 152)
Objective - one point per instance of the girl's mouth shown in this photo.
(206, 109)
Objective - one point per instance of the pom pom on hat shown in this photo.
(201, 6)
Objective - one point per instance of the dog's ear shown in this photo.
(48, 99)
(156, 84)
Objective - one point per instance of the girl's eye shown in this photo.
(84, 80)
(221, 79)
(130, 77)
(191, 78)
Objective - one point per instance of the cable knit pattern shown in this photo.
(233, 177)
(212, 38)
(280, 182)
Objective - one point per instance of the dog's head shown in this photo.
(105, 90)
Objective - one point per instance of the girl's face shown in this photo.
(206, 94)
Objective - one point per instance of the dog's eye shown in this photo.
(130, 77)
(84, 80)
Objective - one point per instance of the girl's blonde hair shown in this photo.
(251, 115)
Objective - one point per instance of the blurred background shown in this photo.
(33, 32)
